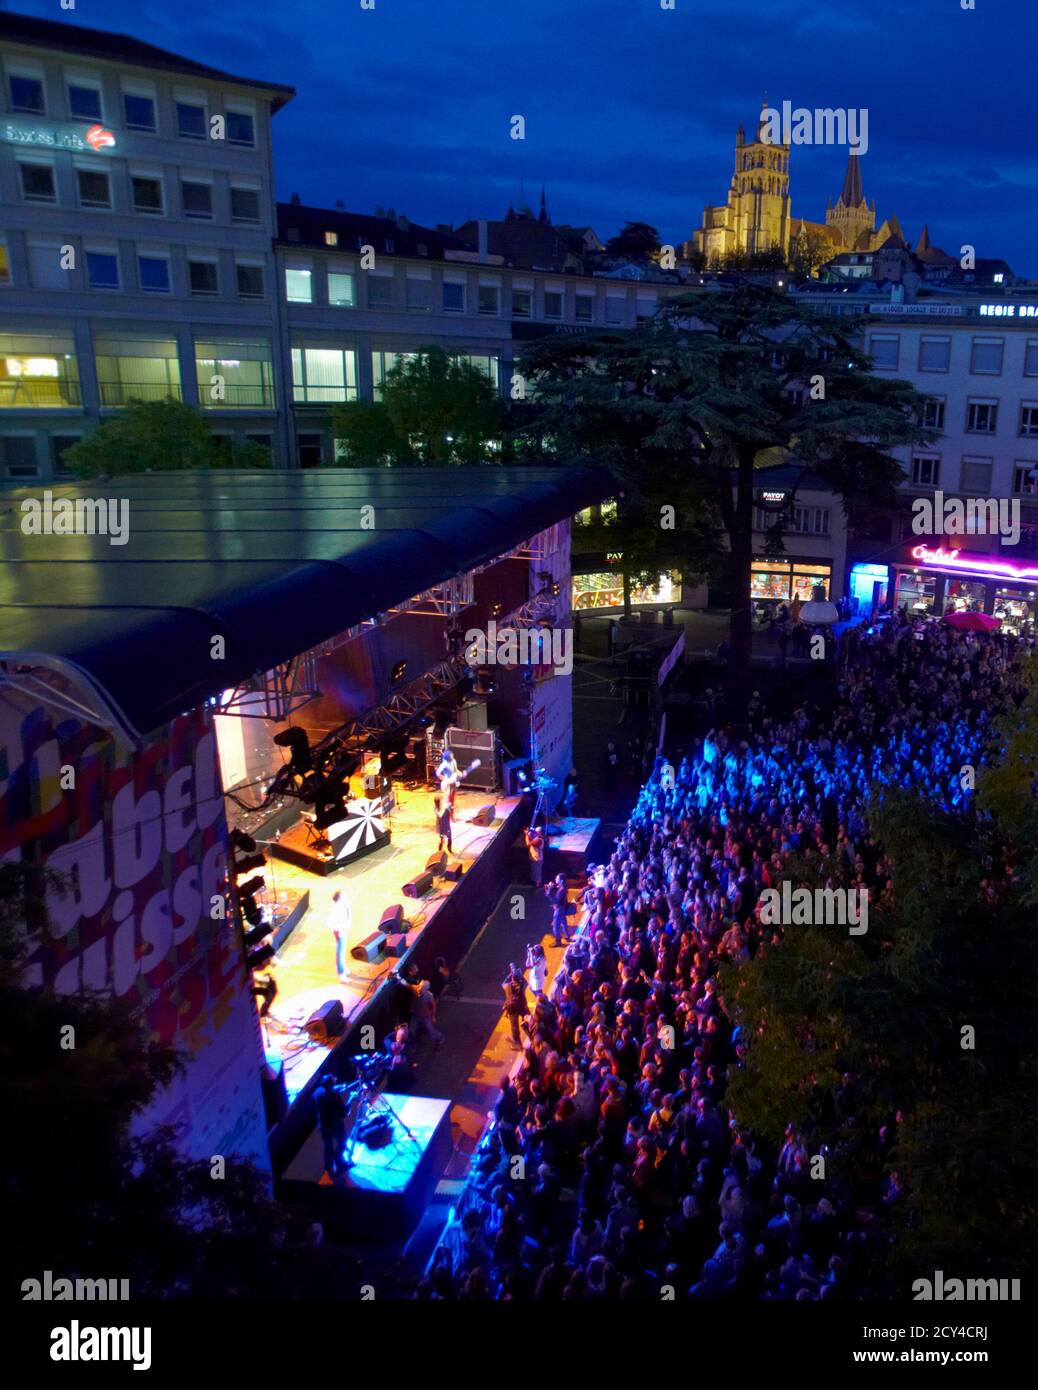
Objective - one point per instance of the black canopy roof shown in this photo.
(274, 562)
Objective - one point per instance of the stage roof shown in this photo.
(275, 562)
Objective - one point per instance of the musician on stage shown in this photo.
(340, 919)
(448, 775)
(443, 823)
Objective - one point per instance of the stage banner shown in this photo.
(140, 839)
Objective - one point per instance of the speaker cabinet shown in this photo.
(391, 919)
(396, 945)
(436, 863)
(370, 948)
(484, 816)
(453, 871)
(418, 887)
(326, 1022)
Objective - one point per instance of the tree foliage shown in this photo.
(155, 436)
(434, 410)
(636, 241)
(686, 409)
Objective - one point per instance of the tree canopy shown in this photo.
(638, 240)
(434, 410)
(155, 436)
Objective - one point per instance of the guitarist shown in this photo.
(448, 774)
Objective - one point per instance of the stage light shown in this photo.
(250, 862)
(397, 672)
(298, 742)
(495, 610)
(241, 841)
(251, 887)
(259, 958)
(255, 935)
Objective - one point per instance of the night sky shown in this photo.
(630, 110)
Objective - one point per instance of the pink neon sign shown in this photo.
(949, 560)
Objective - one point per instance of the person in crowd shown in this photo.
(517, 1005)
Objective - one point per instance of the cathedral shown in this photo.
(757, 216)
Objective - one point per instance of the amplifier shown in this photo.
(418, 886)
(436, 863)
(391, 919)
(370, 948)
(326, 1022)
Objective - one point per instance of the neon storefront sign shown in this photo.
(57, 137)
(939, 558)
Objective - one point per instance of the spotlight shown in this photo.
(259, 958)
(251, 887)
(255, 935)
(250, 862)
(495, 610)
(397, 672)
(556, 588)
(298, 742)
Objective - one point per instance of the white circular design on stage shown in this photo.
(363, 826)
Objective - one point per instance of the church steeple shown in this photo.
(851, 195)
(542, 216)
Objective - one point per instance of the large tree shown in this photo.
(155, 436)
(434, 410)
(717, 386)
(636, 240)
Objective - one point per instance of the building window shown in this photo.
(811, 521)
(981, 417)
(615, 309)
(153, 273)
(202, 277)
(522, 303)
(241, 128)
(926, 469)
(933, 413)
(380, 291)
(382, 363)
(585, 308)
(341, 290)
(299, 287)
(197, 198)
(102, 270)
(26, 94)
(1025, 479)
(147, 193)
(311, 450)
(191, 121)
(1031, 357)
(136, 369)
(489, 299)
(5, 264)
(59, 447)
(1029, 421)
(454, 296)
(20, 458)
(487, 363)
(245, 204)
(883, 349)
(84, 103)
(37, 182)
(139, 111)
(975, 478)
(644, 309)
(38, 370)
(250, 279)
(94, 188)
(934, 354)
(45, 269)
(331, 238)
(986, 357)
(323, 375)
(234, 374)
(419, 294)
(552, 304)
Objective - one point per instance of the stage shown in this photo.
(444, 921)
(384, 1192)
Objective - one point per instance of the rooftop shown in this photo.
(274, 562)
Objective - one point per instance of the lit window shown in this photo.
(299, 286)
(322, 375)
(234, 373)
(341, 292)
(331, 238)
(38, 370)
(136, 369)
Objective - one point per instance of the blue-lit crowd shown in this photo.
(615, 1169)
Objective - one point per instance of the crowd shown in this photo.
(615, 1169)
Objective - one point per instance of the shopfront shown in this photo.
(934, 580)
(780, 580)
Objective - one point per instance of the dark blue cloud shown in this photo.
(630, 110)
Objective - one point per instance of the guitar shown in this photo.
(450, 780)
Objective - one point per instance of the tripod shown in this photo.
(373, 1102)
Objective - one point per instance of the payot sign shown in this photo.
(140, 842)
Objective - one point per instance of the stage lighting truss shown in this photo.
(276, 694)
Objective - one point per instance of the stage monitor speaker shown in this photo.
(326, 1022)
(392, 919)
(436, 863)
(370, 948)
(454, 871)
(484, 816)
(396, 944)
(418, 887)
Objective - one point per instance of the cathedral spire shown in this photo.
(851, 195)
(543, 215)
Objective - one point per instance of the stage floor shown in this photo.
(305, 965)
(392, 1167)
